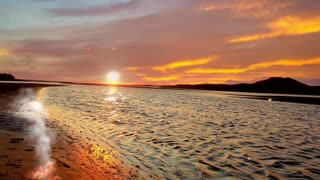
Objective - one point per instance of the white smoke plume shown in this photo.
(35, 113)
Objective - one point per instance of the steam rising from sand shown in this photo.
(33, 111)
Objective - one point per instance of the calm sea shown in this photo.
(191, 134)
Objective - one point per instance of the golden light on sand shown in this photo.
(45, 172)
(113, 77)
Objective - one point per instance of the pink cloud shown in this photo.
(95, 10)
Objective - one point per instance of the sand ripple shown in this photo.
(194, 134)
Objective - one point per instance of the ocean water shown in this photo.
(191, 134)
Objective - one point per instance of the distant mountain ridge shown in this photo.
(272, 85)
(277, 85)
(280, 82)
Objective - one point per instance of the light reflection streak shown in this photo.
(113, 95)
(113, 98)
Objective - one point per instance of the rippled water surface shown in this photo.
(194, 134)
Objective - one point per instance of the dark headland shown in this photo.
(273, 85)
(11, 84)
(276, 85)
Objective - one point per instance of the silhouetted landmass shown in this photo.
(272, 85)
(6, 77)
(16, 86)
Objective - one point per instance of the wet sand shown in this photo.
(193, 134)
(75, 157)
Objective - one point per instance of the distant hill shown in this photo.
(272, 85)
(281, 82)
(277, 85)
(6, 77)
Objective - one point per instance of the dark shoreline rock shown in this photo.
(6, 77)
(17, 85)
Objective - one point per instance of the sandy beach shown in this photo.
(73, 157)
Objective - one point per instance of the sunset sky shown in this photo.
(161, 41)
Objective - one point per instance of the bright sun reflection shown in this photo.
(113, 77)
(36, 106)
(112, 90)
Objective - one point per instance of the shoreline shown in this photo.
(290, 98)
(11, 86)
(75, 156)
(301, 100)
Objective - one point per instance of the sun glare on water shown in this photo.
(113, 77)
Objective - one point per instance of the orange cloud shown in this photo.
(133, 68)
(204, 80)
(141, 75)
(186, 63)
(212, 7)
(163, 78)
(4, 52)
(256, 66)
(289, 25)
(239, 6)
(248, 8)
